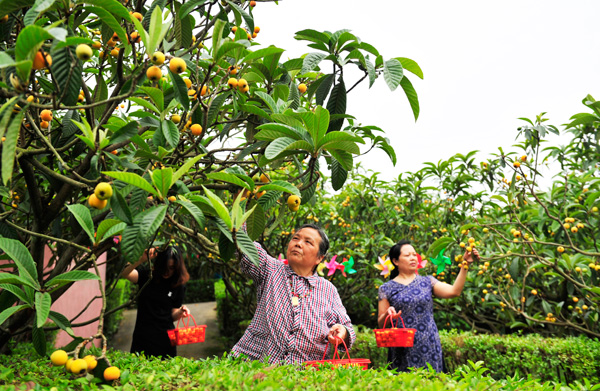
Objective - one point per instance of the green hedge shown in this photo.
(138, 373)
(547, 359)
(200, 291)
(119, 296)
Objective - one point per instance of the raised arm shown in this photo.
(447, 291)
(130, 273)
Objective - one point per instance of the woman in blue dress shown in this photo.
(411, 295)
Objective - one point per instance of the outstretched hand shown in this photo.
(471, 256)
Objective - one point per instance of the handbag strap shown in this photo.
(392, 321)
(335, 350)
(186, 324)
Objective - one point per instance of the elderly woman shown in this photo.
(411, 295)
(297, 311)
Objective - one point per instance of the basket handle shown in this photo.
(335, 350)
(392, 321)
(186, 324)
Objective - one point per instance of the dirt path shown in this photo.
(204, 313)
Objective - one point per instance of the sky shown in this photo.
(485, 64)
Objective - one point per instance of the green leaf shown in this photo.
(281, 186)
(19, 254)
(39, 340)
(276, 147)
(84, 218)
(269, 199)
(29, 40)
(255, 224)
(113, 6)
(100, 94)
(180, 90)
(226, 247)
(67, 70)
(260, 53)
(337, 104)
(189, 6)
(311, 61)
(219, 207)
(393, 73)
(343, 157)
(137, 235)
(313, 36)
(61, 321)
(43, 301)
(411, 94)
(119, 207)
(104, 226)
(9, 278)
(217, 36)
(411, 66)
(132, 179)
(15, 290)
(230, 178)
(125, 133)
(170, 131)
(6, 60)
(215, 108)
(8, 6)
(144, 103)
(9, 146)
(4, 315)
(163, 180)
(439, 245)
(156, 95)
(194, 211)
(71, 276)
(247, 247)
(108, 18)
(338, 175)
(186, 167)
(321, 124)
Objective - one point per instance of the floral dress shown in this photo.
(415, 300)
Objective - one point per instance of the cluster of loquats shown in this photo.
(82, 366)
(99, 198)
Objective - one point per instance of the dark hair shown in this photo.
(180, 274)
(395, 254)
(324, 244)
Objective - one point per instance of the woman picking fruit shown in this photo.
(160, 302)
(297, 311)
(411, 295)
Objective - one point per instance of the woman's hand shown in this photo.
(148, 254)
(391, 311)
(471, 256)
(337, 331)
(185, 311)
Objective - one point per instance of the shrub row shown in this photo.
(21, 370)
(547, 359)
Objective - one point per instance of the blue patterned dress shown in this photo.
(415, 300)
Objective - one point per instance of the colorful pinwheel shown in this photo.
(421, 263)
(348, 266)
(385, 265)
(281, 258)
(441, 261)
(333, 266)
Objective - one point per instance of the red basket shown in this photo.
(394, 337)
(346, 362)
(186, 334)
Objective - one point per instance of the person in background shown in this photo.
(159, 301)
(411, 295)
(297, 312)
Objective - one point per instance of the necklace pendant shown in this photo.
(295, 301)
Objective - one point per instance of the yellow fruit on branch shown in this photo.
(176, 118)
(46, 115)
(59, 357)
(103, 191)
(84, 52)
(264, 178)
(41, 60)
(91, 362)
(232, 82)
(154, 73)
(177, 65)
(293, 203)
(172, 198)
(158, 58)
(516, 164)
(79, 366)
(111, 373)
(188, 82)
(196, 129)
(138, 16)
(560, 249)
(302, 88)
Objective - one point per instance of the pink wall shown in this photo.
(75, 299)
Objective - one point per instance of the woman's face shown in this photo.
(170, 269)
(407, 261)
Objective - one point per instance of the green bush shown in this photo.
(200, 291)
(138, 372)
(547, 359)
(119, 296)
